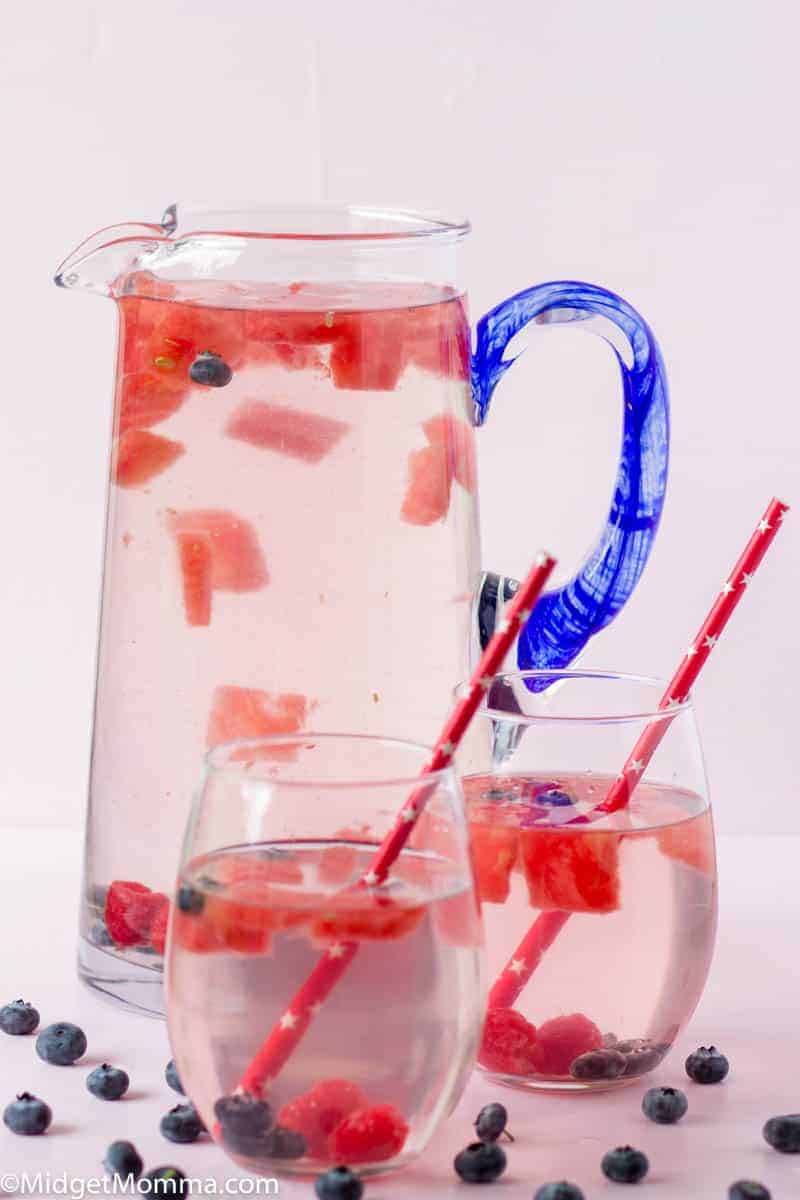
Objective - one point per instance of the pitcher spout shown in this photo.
(109, 255)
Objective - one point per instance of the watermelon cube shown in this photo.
(571, 871)
(237, 563)
(293, 431)
(427, 497)
(368, 354)
(494, 853)
(141, 455)
(240, 712)
(459, 440)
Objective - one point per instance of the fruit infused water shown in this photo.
(636, 891)
(284, 460)
(387, 1049)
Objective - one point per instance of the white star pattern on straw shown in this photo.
(710, 642)
(447, 748)
(288, 1020)
(747, 578)
(370, 879)
(726, 588)
(485, 683)
(504, 625)
(637, 765)
(524, 614)
(764, 526)
(673, 702)
(692, 650)
(517, 965)
(336, 950)
(541, 559)
(408, 814)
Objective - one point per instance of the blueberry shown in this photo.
(598, 1064)
(707, 1065)
(339, 1184)
(285, 1143)
(625, 1165)
(19, 1017)
(783, 1133)
(664, 1105)
(27, 1114)
(189, 900)
(559, 1191)
(481, 1162)
(243, 1114)
(554, 798)
(61, 1044)
(182, 1124)
(123, 1159)
(491, 1122)
(172, 1077)
(107, 1082)
(211, 370)
(99, 935)
(165, 1181)
(746, 1189)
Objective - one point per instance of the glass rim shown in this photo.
(597, 718)
(223, 751)
(405, 224)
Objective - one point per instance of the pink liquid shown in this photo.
(339, 592)
(401, 1025)
(639, 891)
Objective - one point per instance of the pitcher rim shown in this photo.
(408, 224)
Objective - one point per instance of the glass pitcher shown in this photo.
(292, 537)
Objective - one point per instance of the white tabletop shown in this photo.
(751, 1010)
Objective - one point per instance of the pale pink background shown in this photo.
(649, 147)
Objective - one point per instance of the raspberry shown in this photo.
(146, 911)
(319, 1111)
(509, 1042)
(562, 1040)
(158, 929)
(369, 1135)
(121, 894)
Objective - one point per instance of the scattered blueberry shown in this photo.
(599, 1064)
(61, 1044)
(746, 1189)
(285, 1143)
(211, 370)
(182, 1124)
(481, 1162)
(339, 1184)
(123, 1159)
(172, 1077)
(243, 1114)
(27, 1114)
(165, 1181)
(625, 1165)
(107, 1082)
(19, 1017)
(707, 1065)
(783, 1133)
(189, 900)
(664, 1105)
(491, 1122)
(554, 798)
(559, 1191)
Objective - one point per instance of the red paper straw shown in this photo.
(548, 925)
(287, 1033)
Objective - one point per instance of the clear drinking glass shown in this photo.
(599, 927)
(281, 830)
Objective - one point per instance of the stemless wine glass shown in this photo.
(281, 831)
(599, 927)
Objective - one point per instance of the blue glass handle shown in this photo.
(566, 618)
